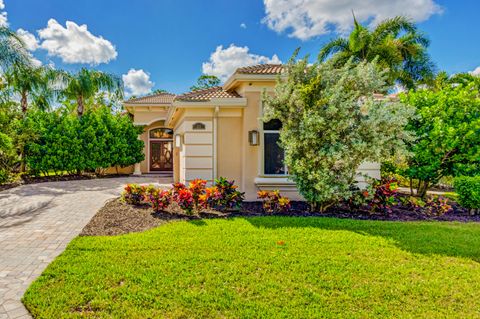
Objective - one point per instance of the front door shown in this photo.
(161, 155)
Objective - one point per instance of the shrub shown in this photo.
(437, 206)
(134, 194)
(159, 199)
(96, 141)
(184, 198)
(468, 190)
(385, 195)
(197, 187)
(273, 202)
(226, 195)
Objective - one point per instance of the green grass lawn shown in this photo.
(268, 267)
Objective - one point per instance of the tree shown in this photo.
(331, 123)
(85, 84)
(12, 49)
(397, 45)
(159, 91)
(205, 81)
(32, 83)
(447, 125)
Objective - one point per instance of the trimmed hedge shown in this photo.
(94, 142)
(468, 190)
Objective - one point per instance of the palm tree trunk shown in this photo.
(80, 106)
(24, 102)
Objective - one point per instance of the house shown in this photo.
(218, 132)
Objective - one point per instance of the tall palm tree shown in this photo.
(85, 84)
(26, 81)
(12, 49)
(395, 43)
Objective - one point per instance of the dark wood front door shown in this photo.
(161, 155)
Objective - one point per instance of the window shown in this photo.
(161, 133)
(273, 154)
(198, 126)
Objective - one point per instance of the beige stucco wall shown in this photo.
(229, 154)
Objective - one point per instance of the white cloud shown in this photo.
(137, 82)
(2, 5)
(305, 19)
(75, 44)
(243, 25)
(476, 72)
(223, 62)
(30, 40)
(3, 19)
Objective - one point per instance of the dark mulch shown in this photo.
(27, 179)
(117, 217)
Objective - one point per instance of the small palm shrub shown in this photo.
(273, 202)
(468, 190)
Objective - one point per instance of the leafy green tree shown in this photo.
(159, 91)
(447, 125)
(205, 81)
(395, 43)
(85, 84)
(332, 123)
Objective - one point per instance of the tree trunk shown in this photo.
(24, 102)
(411, 186)
(422, 188)
(80, 106)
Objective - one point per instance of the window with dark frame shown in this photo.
(273, 154)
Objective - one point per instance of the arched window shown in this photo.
(161, 133)
(198, 126)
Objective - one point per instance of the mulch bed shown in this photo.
(117, 217)
(26, 179)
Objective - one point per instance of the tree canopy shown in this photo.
(332, 123)
(447, 126)
(205, 81)
(396, 44)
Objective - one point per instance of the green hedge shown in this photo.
(96, 141)
(468, 190)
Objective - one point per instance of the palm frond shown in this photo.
(332, 47)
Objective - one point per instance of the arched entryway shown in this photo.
(160, 155)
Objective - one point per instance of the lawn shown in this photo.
(268, 267)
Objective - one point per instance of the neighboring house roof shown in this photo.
(216, 92)
(261, 69)
(160, 98)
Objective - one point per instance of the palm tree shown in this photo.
(85, 84)
(395, 43)
(26, 81)
(12, 49)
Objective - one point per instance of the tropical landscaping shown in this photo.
(197, 250)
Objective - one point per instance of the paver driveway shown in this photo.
(37, 221)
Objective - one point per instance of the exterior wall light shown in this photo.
(178, 140)
(253, 138)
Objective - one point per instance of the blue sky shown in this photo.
(167, 44)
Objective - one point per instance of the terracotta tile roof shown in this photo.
(261, 69)
(216, 92)
(160, 98)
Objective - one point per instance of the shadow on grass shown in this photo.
(441, 238)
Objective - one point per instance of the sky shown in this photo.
(168, 44)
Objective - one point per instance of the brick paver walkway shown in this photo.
(37, 221)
